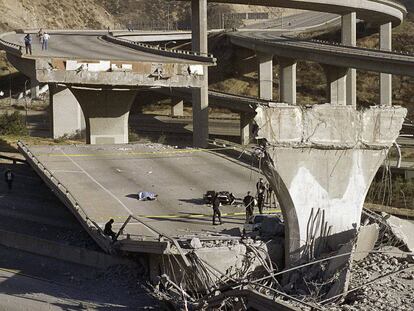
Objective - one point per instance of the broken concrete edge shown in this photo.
(322, 126)
(91, 227)
(405, 212)
(208, 60)
(52, 249)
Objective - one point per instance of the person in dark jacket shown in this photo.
(8, 178)
(28, 43)
(260, 186)
(216, 209)
(260, 201)
(108, 230)
(249, 204)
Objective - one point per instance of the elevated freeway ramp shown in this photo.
(100, 183)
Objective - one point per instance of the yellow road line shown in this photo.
(175, 151)
(189, 216)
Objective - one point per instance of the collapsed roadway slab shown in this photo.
(321, 162)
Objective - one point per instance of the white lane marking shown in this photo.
(99, 184)
(66, 171)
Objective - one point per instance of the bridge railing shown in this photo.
(208, 58)
(10, 46)
(66, 195)
(356, 48)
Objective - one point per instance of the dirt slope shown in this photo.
(53, 14)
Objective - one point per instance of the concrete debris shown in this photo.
(367, 237)
(196, 243)
(402, 229)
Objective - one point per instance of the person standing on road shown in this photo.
(216, 209)
(249, 204)
(260, 186)
(260, 201)
(40, 35)
(45, 43)
(108, 230)
(28, 43)
(8, 178)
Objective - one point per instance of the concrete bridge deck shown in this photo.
(89, 45)
(104, 182)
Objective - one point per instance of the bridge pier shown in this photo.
(337, 88)
(106, 114)
(246, 121)
(321, 161)
(349, 38)
(200, 95)
(66, 117)
(265, 62)
(385, 78)
(287, 80)
(34, 88)
(177, 107)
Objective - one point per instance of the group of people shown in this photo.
(43, 37)
(264, 195)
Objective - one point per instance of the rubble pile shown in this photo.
(375, 271)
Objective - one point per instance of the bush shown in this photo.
(12, 124)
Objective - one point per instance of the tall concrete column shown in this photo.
(34, 88)
(106, 114)
(385, 78)
(320, 161)
(66, 116)
(287, 80)
(200, 95)
(177, 107)
(265, 62)
(336, 79)
(349, 38)
(246, 121)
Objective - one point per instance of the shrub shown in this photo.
(12, 124)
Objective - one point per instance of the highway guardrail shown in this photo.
(161, 50)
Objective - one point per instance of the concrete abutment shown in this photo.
(321, 162)
(106, 114)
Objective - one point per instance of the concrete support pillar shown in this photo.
(320, 162)
(265, 75)
(200, 95)
(246, 121)
(385, 78)
(349, 38)
(66, 116)
(336, 78)
(106, 114)
(287, 80)
(34, 88)
(177, 107)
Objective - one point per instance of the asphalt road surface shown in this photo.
(105, 180)
(83, 46)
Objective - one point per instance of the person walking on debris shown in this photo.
(8, 178)
(108, 230)
(216, 209)
(28, 43)
(249, 204)
(45, 42)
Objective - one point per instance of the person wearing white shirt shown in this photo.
(45, 42)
